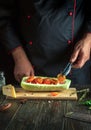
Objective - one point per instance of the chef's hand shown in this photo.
(23, 67)
(81, 52)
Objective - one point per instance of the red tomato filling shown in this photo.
(40, 80)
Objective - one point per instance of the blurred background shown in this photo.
(7, 65)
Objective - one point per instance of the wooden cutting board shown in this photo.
(69, 94)
(19, 93)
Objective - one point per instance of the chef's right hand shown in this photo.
(81, 52)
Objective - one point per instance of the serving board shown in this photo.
(69, 94)
(19, 93)
(63, 94)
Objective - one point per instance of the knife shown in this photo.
(66, 70)
(84, 117)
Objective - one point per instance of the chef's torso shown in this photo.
(49, 30)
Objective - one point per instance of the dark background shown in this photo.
(7, 65)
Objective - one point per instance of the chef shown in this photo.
(44, 35)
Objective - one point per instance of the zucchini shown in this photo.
(44, 87)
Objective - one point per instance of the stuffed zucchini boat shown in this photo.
(39, 83)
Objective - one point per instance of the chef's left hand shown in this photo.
(81, 52)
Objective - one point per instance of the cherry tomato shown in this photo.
(38, 80)
(47, 81)
(61, 79)
(30, 79)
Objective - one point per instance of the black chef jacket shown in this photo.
(48, 31)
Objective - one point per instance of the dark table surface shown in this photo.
(43, 115)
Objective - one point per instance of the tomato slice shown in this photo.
(47, 81)
(30, 79)
(61, 79)
(54, 81)
(37, 80)
(54, 93)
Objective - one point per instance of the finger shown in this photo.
(29, 73)
(79, 62)
(32, 73)
(74, 56)
(18, 77)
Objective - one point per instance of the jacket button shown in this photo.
(30, 42)
(70, 13)
(69, 41)
(28, 16)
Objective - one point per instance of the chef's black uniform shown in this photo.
(48, 31)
